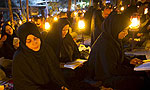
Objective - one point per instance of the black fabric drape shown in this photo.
(107, 62)
(65, 48)
(96, 22)
(8, 50)
(35, 70)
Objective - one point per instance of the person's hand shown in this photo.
(4, 38)
(136, 61)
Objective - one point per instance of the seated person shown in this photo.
(107, 62)
(63, 44)
(8, 49)
(35, 65)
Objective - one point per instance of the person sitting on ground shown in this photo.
(7, 48)
(35, 65)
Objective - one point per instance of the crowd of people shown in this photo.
(34, 56)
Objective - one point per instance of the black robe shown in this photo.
(107, 62)
(65, 48)
(96, 22)
(8, 50)
(35, 70)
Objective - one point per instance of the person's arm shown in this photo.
(111, 58)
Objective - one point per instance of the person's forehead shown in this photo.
(30, 36)
(7, 27)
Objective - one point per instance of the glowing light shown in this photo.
(135, 23)
(30, 20)
(47, 26)
(84, 11)
(122, 8)
(20, 22)
(55, 19)
(1, 87)
(47, 16)
(81, 24)
(75, 13)
(146, 11)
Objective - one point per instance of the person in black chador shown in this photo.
(7, 49)
(63, 44)
(67, 51)
(96, 22)
(107, 62)
(35, 65)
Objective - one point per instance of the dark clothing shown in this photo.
(69, 50)
(88, 18)
(96, 22)
(8, 50)
(107, 62)
(65, 48)
(35, 70)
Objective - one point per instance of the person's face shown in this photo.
(8, 30)
(65, 30)
(38, 23)
(122, 34)
(33, 43)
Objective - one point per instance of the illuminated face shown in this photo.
(33, 42)
(38, 23)
(122, 34)
(65, 30)
(8, 30)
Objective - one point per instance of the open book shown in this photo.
(75, 63)
(143, 67)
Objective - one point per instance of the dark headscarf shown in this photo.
(106, 58)
(56, 32)
(8, 43)
(118, 22)
(44, 64)
(62, 46)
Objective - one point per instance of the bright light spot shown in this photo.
(84, 11)
(122, 8)
(135, 23)
(20, 22)
(75, 13)
(146, 11)
(55, 18)
(81, 24)
(47, 16)
(47, 25)
(30, 20)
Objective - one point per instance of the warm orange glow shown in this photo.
(81, 24)
(55, 19)
(47, 26)
(135, 23)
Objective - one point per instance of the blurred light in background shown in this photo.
(55, 19)
(135, 23)
(81, 24)
(20, 22)
(75, 13)
(146, 11)
(47, 26)
(122, 8)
